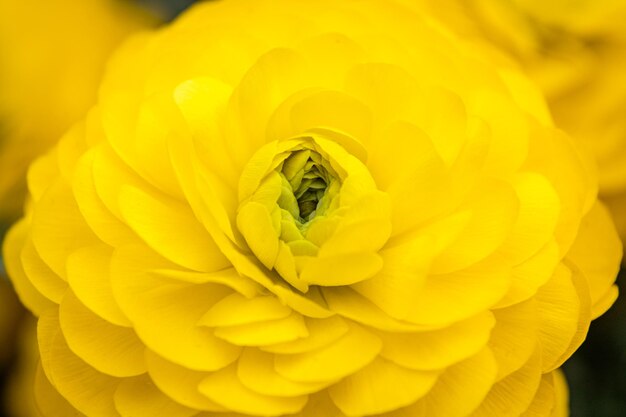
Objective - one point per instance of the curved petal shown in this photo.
(513, 394)
(40, 275)
(179, 383)
(49, 399)
(58, 228)
(88, 273)
(351, 352)
(138, 396)
(514, 338)
(379, 387)
(438, 349)
(596, 252)
(26, 291)
(477, 372)
(88, 390)
(165, 313)
(255, 370)
(225, 388)
(171, 229)
(109, 348)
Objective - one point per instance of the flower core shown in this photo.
(307, 201)
(305, 182)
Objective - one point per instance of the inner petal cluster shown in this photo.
(305, 185)
(302, 212)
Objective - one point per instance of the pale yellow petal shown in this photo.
(138, 396)
(515, 336)
(348, 354)
(179, 383)
(58, 228)
(438, 349)
(26, 291)
(40, 275)
(513, 394)
(225, 388)
(597, 252)
(544, 400)
(88, 390)
(255, 370)
(170, 228)
(321, 332)
(477, 372)
(236, 310)
(165, 313)
(49, 401)
(88, 275)
(561, 312)
(264, 333)
(99, 218)
(379, 387)
(109, 348)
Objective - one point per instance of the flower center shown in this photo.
(306, 186)
(305, 205)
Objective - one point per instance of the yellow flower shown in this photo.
(311, 208)
(576, 52)
(53, 54)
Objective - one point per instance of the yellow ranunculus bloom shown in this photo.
(52, 56)
(576, 52)
(311, 209)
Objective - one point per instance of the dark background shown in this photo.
(597, 371)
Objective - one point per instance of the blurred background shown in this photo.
(71, 57)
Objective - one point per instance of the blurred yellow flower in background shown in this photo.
(312, 208)
(576, 51)
(52, 56)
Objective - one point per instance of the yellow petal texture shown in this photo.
(314, 208)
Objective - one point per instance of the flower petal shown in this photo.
(225, 388)
(48, 398)
(109, 348)
(256, 371)
(179, 383)
(351, 352)
(165, 313)
(90, 391)
(170, 228)
(512, 395)
(514, 337)
(379, 387)
(139, 396)
(26, 291)
(438, 349)
(95, 292)
(477, 372)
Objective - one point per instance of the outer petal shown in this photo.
(379, 387)
(139, 396)
(90, 391)
(109, 348)
(597, 251)
(28, 294)
(478, 372)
